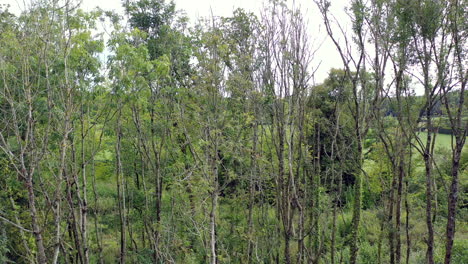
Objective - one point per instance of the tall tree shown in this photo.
(456, 83)
(354, 63)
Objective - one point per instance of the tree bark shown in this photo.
(452, 203)
(121, 190)
(41, 256)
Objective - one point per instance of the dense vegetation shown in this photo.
(141, 139)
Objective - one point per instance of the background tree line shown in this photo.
(212, 144)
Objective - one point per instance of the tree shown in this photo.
(354, 63)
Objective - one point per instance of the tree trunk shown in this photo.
(408, 239)
(253, 174)
(214, 204)
(452, 202)
(357, 198)
(391, 233)
(41, 256)
(121, 191)
(428, 166)
(401, 174)
(84, 200)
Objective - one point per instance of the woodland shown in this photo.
(143, 138)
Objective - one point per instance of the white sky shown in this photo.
(327, 56)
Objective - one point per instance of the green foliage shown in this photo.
(3, 247)
(195, 113)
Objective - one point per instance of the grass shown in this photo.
(442, 140)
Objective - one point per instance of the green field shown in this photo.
(442, 140)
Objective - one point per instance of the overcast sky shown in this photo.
(327, 56)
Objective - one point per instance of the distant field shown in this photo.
(442, 140)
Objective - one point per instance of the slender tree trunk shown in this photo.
(452, 202)
(356, 219)
(316, 198)
(121, 190)
(430, 228)
(401, 174)
(41, 256)
(391, 233)
(214, 205)
(213, 163)
(333, 235)
(96, 214)
(84, 200)
(408, 238)
(428, 168)
(456, 13)
(253, 174)
(284, 198)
